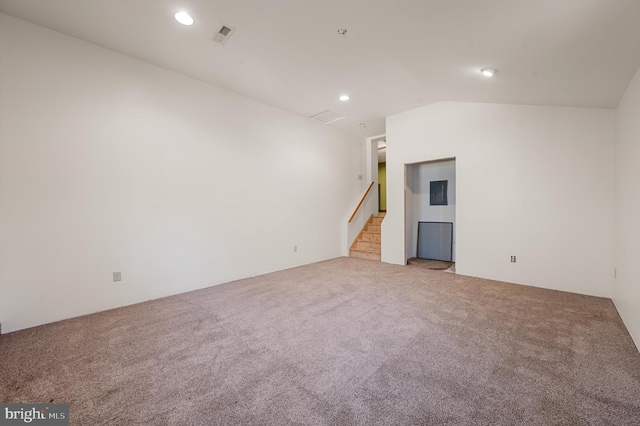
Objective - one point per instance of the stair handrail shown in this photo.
(361, 201)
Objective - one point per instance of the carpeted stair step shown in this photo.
(373, 228)
(364, 255)
(368, 244)
(370, 236)
(376, 220)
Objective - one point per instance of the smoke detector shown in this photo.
(223, 34)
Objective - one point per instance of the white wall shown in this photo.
(534, 182)
(111, 164)
(419, 186)
(626, 287)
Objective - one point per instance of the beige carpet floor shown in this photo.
(435, 265)
(345, 341)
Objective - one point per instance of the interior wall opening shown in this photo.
(382, 176)
(430, 214)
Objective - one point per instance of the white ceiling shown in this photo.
(397, 54)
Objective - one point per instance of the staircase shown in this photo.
(367, 245)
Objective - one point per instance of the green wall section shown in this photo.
(382, 180)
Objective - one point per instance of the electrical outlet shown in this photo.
(295, 249)
(117, 276)
(513, 259)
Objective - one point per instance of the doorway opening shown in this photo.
(430, 214)
(382, 176)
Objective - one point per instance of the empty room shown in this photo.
(302, 212)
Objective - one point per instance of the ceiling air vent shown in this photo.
(223, 34)
(327, 116)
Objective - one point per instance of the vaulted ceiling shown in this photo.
(396, 54)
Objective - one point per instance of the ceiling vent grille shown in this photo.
(327, 116)
(223, 34)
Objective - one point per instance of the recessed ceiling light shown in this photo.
(344, 98)
(488, 72)
(184, 18)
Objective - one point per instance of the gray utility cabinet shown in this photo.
(435, 240)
